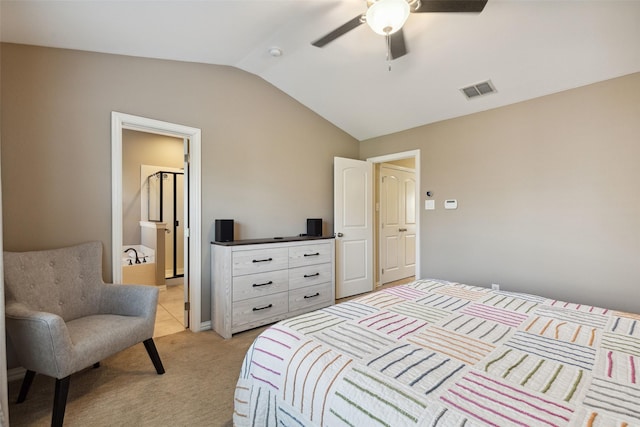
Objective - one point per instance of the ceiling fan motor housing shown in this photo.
(413, 4)
(385, 17)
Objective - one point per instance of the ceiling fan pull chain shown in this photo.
(388, 50)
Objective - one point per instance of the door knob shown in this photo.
(339, 234)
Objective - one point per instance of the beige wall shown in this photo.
(548, 193)
(141, 148)
(547, 189)
(267, 160)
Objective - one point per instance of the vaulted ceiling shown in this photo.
(527, 48)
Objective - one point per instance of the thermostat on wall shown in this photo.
(451, 204)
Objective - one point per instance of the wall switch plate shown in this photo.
(429, 205)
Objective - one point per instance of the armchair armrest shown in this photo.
(44, 334)
(129, 300)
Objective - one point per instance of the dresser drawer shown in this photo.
(314, 253)
(310, 296)
(260, 260)
(260, 284)
(311, 275)
(256, 309)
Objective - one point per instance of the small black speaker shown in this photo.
(314, 226)
(224, 230)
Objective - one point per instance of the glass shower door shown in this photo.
(173, 216)
(179, 229)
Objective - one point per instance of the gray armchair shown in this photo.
(61, 317)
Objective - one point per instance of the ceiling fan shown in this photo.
(386, 17)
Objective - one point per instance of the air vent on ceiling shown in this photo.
(478, 89)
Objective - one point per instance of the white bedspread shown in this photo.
(439, 353)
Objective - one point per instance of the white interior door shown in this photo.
(353, 226)
(397, 223)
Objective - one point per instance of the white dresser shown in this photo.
(256, 282)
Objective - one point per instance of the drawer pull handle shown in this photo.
(263, 260)
(316, 254)
(262, 308)
(255, 285)
(311, 275)
(317, 294)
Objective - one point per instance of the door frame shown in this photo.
(122, 121)
(389, 158)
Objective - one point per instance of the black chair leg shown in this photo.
(26, 385)
(60, 401)
(153, 354)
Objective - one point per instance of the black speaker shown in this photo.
(224, 230)
(314, 226)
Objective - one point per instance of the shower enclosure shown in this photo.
(166, 204)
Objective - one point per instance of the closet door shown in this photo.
(397, 224)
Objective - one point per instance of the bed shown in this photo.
(440, 353)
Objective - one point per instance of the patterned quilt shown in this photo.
(436, 353)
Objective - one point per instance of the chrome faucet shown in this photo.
(136, 252)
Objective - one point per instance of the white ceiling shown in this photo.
(528, 48)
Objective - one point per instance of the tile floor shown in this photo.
(170, 313)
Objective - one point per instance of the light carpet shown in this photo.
(196, 390)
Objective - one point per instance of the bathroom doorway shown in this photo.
(153, 205)
(189, 157)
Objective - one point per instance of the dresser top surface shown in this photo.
(271, 240)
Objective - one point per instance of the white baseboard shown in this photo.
(174, 281)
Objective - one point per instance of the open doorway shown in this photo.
(153, 188)
(397, 216)
(356, 237)
(191, 223)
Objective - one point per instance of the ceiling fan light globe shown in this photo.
(385, 17)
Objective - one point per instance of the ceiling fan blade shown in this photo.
(355, 22)
(450, 6)
(398, 47)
